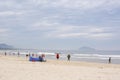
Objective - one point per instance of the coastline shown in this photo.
(94, 57)
(19, 68)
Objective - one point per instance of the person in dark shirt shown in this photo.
(68, 57)
(5, 53)
(109, 60)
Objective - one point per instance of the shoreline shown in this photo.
(62, 62)
(92, 58)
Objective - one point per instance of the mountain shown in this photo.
(86, 49)
(5, 46)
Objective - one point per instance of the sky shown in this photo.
(60, 24)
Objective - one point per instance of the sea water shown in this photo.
(101, 57)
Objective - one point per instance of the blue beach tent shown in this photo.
(35, 59)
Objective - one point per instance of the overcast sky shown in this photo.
(60, 24)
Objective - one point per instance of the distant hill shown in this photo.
(86, 49)
(5, 46)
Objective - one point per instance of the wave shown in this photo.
(46, 53)
(26, 52)
(96, 56)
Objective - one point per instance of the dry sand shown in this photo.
(17, 68)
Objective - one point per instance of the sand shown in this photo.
(18, 68)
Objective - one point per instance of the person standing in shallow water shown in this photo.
(57, 56)
(5, 53)
(18, 54)
(109, 60)
(68, 57)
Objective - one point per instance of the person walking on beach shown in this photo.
(18, 54)
(27, 55)
(109, 60)
(68, 57)
(40, 59)
(43, 57)
(57, 56)
(5, 53)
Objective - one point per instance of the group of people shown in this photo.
(36, 57)
(57, 56)
(42, 56)
(68, 56)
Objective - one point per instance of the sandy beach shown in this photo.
(19, 68)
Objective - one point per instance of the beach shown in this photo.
(20, 68)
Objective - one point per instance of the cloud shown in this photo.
(101, 36)
(79, 4)
(57, 30)
(85, 35)
(71, 35)
(59, 4)
(10, 13)
(80, 34)
(2, 30)
(59, 20)
(3, 33)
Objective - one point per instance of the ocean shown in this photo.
(86, 56)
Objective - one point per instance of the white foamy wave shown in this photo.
(85, 54)
(94, 56)
(46, 53)
(16, 52)
(24, 52)
(117, 56)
